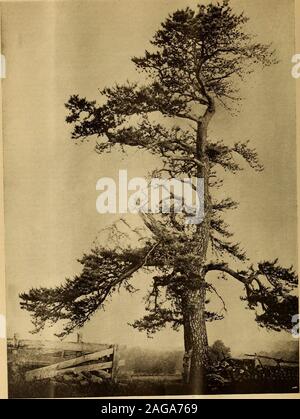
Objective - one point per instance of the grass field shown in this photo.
(134, 386)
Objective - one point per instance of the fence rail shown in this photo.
(65, 359)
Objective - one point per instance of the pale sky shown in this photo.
(55, 49)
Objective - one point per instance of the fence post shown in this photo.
(186, 366)
(115, 363)
(16, 343)
(80, 340)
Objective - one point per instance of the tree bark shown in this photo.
(193, 303)
(195, 337)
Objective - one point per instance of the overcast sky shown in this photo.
(54, 50)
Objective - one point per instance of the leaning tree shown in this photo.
(197, 60)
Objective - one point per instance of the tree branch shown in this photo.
(223, 267)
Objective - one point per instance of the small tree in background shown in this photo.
(197, 61)
(218, 351)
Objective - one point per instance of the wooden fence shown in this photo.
(42, 359)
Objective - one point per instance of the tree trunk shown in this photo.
(193, 301)
(195, 338)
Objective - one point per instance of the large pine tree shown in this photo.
(198, 59)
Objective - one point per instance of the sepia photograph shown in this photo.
(150, 197)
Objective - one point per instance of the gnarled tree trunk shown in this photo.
(193, 302)
(195, 338)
